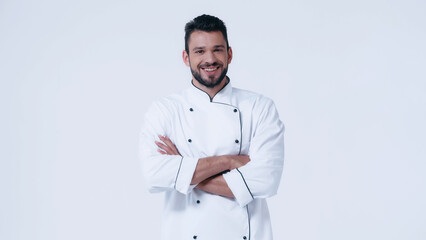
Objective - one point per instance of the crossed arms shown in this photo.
(207, 175)
(255, 175)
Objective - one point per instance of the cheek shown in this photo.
(194, 65)
(223, 58)
(193, 61)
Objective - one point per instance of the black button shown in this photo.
(194, 237)
(236, 141)
(189, 140)
(198, 201)
(235, 110)
(244, 237)
(191, 109)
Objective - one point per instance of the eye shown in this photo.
(199, 51)
(218, 50)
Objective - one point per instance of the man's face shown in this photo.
(208, 57)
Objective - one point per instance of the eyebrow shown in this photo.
(215, 46)
(198, 48)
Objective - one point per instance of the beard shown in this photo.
(210, 82)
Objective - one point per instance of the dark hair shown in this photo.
(205, 23)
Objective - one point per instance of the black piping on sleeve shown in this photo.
(245, 183)
(177, 174)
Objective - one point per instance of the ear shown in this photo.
(185, 58)
(229, 55)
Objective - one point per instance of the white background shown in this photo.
(348, 78)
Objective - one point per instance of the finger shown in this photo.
(163, 147)
(161, 152)
(163, 138)
(170, 144)
(164, 152)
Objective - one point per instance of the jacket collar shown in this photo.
(223, 96)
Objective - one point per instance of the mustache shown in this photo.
(206, 65)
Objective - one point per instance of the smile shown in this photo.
(211, 69)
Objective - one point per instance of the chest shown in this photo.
(211, 129)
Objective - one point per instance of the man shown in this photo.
(216, 151)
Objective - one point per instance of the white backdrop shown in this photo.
(348, 78)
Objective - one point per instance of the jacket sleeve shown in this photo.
(163, 172)
(260, 178)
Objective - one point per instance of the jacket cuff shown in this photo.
(184, 175)
(240, 189)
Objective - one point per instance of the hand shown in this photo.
(216, 185)
(166, 147)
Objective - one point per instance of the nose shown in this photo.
(210, 57)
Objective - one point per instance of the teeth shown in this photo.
(210, 69)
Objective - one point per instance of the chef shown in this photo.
(215, 151)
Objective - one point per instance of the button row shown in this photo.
(195, 237)
(236, 140)
(191, 109)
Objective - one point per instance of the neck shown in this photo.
(210, 91)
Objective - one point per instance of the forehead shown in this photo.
(206, 39)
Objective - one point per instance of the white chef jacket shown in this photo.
(234, 122)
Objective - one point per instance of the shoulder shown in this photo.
(168, 104)
(171, 100)
(256, 99)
